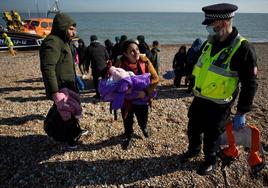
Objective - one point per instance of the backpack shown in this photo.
(60, 130)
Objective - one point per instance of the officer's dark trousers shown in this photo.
(141, 113)
(209, 119)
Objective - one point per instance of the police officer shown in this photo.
(226, 65)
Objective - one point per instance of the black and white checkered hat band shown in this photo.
(219, 16)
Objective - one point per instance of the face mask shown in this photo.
(211, 31)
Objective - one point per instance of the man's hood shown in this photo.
(61, 23)
(197, 44)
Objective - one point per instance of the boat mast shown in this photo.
(38, 12)
(54, 8)
(29, 13)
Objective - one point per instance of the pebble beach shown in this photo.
(31, 159)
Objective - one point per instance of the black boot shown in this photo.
(127, 143)
(185, 157)
(145, 132)
(206, 168)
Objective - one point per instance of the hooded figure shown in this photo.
(58, 72)
(56, 60)
(82, 53)
(144, 47)
(192, 56)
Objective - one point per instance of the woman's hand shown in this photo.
(129, 90)
(141, 94)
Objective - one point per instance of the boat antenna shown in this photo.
(38, 12)
(29, 13)
(48, 4)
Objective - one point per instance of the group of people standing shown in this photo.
(62, 51)
(225, 65)
(183, 63)
(97, 55)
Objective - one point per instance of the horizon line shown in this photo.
(135, 12)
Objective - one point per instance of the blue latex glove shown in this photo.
(239, 121)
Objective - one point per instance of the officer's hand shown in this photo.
(239, 121)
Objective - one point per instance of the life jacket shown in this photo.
(141, 67)
(213, 78)
(248, 137)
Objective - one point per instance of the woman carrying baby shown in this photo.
(139, 64)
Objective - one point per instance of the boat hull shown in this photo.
(21, 40)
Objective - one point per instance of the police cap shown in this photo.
(220, 11)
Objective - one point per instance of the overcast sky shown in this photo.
(248, 6)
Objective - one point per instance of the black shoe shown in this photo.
(206, 168)
(145, 132)
(188, 91)
(127, 144)
(97, 96)
(72, 144)
(257, 168)
(185, 157)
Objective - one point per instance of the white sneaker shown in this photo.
(84, 76)
(84, 132)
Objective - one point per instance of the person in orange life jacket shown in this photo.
(138, 63)
(224, 56)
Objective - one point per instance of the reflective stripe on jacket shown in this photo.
(8, 41)
(213, 78)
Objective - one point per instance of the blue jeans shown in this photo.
(80, 83)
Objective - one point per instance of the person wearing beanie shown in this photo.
(97, 57)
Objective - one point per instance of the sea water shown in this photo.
(167, 28)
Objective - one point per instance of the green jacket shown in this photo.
(56, 60)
